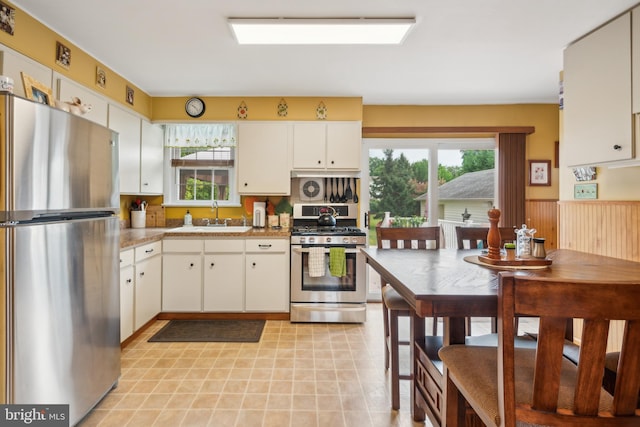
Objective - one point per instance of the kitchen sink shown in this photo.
(213, 229)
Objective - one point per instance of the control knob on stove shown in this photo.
(312, 239)
(328, 239)
(345, 239)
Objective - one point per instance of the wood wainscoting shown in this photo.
(543, 216)
(609, 228)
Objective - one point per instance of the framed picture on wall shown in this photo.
(36, 91)
(101, 77)
(63, 55)
(539, 172)
(7, 18)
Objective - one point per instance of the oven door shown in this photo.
(327, 288)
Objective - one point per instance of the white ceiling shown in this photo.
(460, 52)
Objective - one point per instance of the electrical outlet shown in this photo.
(585, 191)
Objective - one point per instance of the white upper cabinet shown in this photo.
(141, 152)
(598, 119)
(635, 60)
(327, 146)
(128, 127)
(151, 158)
(263, 162)
(67, 90)
(14, 63)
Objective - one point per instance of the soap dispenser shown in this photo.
(187, 219)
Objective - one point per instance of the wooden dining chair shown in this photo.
(475, 238)
(539, 386)
(470, 237)
(393, 305)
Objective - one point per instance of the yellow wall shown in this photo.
(540, 144)
(36, 41)
(258, 108)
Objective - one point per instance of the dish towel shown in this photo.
(316, 261)
(337, 262)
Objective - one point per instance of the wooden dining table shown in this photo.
(440, 283)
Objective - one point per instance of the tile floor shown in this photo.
(297, 375)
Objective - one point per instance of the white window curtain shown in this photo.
(204, 135)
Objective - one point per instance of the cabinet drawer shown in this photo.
(267, 245)
(177, 245)
(147, 251)
(126, 258)
(224, 245)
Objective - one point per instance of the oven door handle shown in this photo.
(306, 250)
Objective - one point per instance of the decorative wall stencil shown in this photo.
(101, 77)
(243, 110)
(321, 111)
(283, 108)
(7, 18)
(63, 55)
(130, 95)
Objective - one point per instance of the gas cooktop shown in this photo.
(308, 230)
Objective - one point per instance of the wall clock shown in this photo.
(194, 107)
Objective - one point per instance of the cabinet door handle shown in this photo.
(142, 273)
(191, 265)
(129, 280)
(332, 162)
(148, 251)
(263, 246)
(253, 264)
(319, 162)
(212, 264)
(617, 147)
(245, 184)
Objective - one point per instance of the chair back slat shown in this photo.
(591, 366)
(424, 237)
(546, 384)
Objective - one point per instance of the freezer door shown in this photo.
(56, 161)
(64, 323)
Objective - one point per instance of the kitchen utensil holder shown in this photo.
(138, 219)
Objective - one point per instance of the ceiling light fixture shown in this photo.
(292, 31)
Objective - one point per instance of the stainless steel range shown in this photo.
(320, 290)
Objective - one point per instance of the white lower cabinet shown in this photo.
(225, 275)
(127, 293)
(182, 275)
(267, 275)
(148, 295)
(223, 286)
(140, 287)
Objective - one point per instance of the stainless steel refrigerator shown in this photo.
(59, 243)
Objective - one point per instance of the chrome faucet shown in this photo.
(214, 207)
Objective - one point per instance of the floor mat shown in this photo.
(218, 330)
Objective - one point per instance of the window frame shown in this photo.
(172, 178)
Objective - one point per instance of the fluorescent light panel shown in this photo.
(299, 31)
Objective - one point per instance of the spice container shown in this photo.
(510, 250)
(538, 248)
